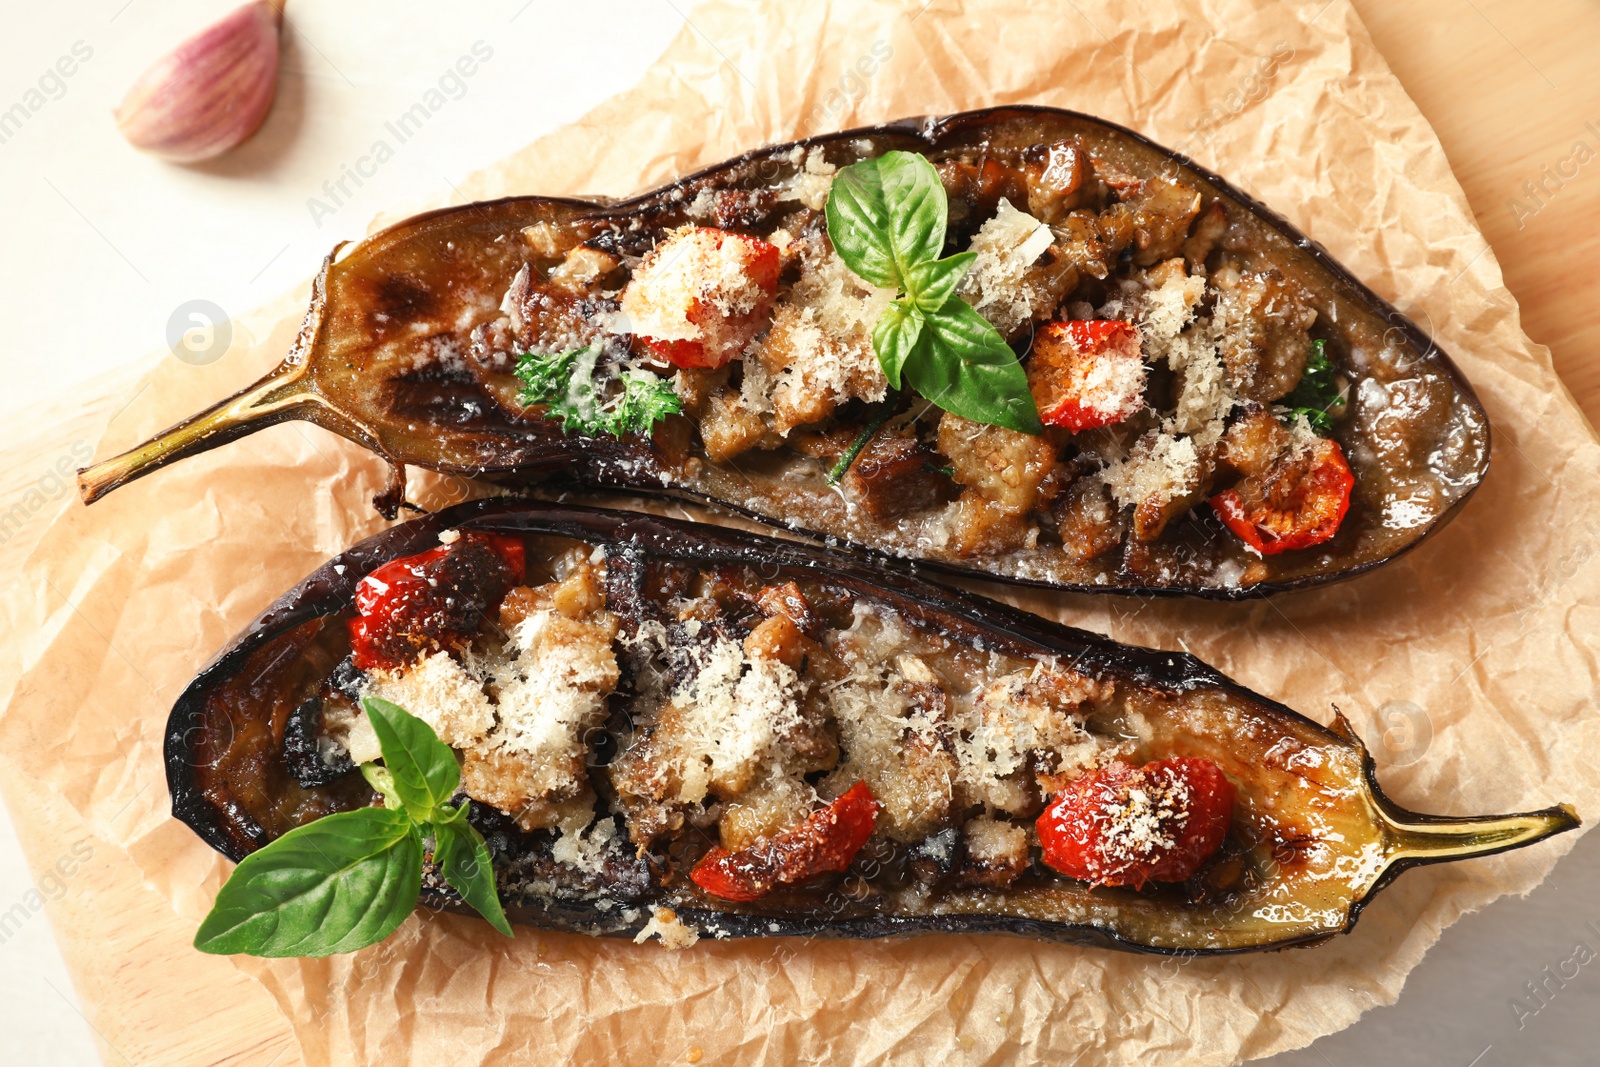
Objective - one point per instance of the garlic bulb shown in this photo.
(211, 92)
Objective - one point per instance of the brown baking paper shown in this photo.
(1471, 663)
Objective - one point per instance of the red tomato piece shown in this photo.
(825, 843)
(1087, 373)
(1299, 502)
(702, 296)
(420, 603)
(1124, 825)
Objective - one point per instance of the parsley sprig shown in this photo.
(572, 387)
(886, 218)
(348, 880)
(1319, 395)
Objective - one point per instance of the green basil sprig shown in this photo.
(886, 218)
(348, 880)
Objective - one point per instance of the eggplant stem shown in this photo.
(279, 396)
(1412, 839)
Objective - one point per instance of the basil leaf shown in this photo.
(894, 338)
(338, 884)
(964, 366)
(885, 215)
(464, 862)
(886, 219)
(423, 769)
(931, 284)
(382, 782)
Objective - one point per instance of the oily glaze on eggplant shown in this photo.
(398, 353)
(1312, 838)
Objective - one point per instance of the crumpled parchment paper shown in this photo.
(1470, 665)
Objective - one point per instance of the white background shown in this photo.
(101, 244)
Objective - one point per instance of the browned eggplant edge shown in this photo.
(976, 620)
(931, 130)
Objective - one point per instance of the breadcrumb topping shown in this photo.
(1144, 821)
(1007, 245)
(692, 268)
(673, 932)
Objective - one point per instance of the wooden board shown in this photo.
(1510, 89)
(1506, 85)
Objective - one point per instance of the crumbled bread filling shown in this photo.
(1161, 467)
(1028, 718)
(895, 733)
(438, 690)
(1167, 306)
(517, 711)
(1220, 330)
(1006, 246)
(721, 728)
(673, 932)
(744, 725)
(811, 184)
(991, 840)
(693, 268)
(549, 687)
(818, 352)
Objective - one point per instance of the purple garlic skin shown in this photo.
(211, 92)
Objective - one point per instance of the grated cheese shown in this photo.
(811, 184)
(436, 690)
(1167, 306)
(518, 714)
(690, 269)
(1013, 718)
(555, 689)
(1142, 822)
(1006, 246)
(996, 841)
(818, 353)
(725, 726)
(1204, 397)
(581, 850)
(1163, 302)
(894, 745)
(1161, 467)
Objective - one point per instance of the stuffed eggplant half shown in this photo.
(663, 727)
(1021, 343)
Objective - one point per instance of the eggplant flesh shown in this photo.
(1312, 840)
(387, 359)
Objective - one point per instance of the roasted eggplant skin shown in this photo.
(424, 271)
(331, 588)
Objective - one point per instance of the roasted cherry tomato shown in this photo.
(420, 603)
(702, 296)
(1299, 502)
(1086, 374)
(1124, 825)
(825, 843)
